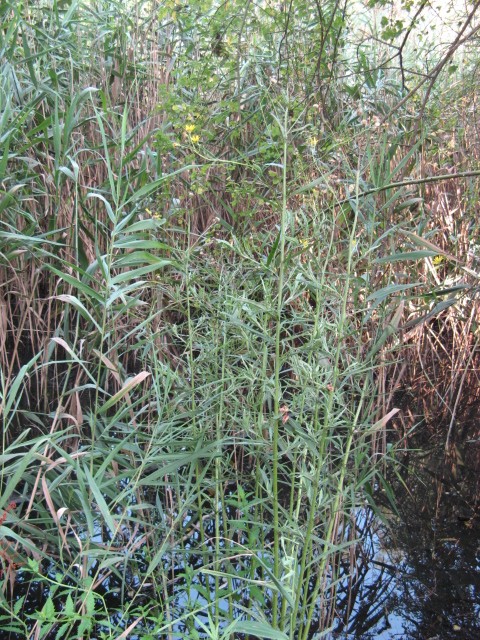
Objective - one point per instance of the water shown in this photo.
(422, 580)
(416, 579)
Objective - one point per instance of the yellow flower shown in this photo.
(189, 128)
(154, 214)
(437, 260)
(313, 141)
(195, 139)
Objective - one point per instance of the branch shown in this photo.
(434, 74)
(407, 183)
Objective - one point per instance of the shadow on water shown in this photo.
(421, 578)
(417, 579)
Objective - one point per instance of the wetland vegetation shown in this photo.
(239, 258)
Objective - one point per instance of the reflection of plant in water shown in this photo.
(420, 579)
(439, 534)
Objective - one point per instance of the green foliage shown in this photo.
(209, 233)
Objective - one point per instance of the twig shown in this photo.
(407, 183)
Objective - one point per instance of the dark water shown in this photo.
(422, 579)
(416, 579)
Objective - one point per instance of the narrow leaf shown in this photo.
(260, 630)
(128, 386)
(154, 186)
(141, 271)
(100, 500)
(422, 242)
(408, 255)
(380, 424)
(80, 307)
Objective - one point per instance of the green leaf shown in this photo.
(69, 609)
(273, 250)
(154, 186)
(18, 605)
(62, 631)
(48, 610)
(257, 594)
(151, 224)
(78, 284)
(84, 626)
(134, 259)
(80, 307)
(108, 206)
(33, 565)
(385, 292)
(408, 255)
(122, 293)
(157, 558)
(28, 59)
(141, 271)
(75, 358)
(134, 243)
(89, 602)
(322, 180)
(423, 242)
(260, 629)
(28, 458)
(14, 392)
(100, 500)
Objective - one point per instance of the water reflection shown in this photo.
(422, 581)
(416, 580)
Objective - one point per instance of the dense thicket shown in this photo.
(236, 238)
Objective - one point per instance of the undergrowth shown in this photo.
(216, 295)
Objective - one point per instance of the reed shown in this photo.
(214, 296)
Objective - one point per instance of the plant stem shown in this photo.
(278, 390)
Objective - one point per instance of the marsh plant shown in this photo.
(208, 284)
